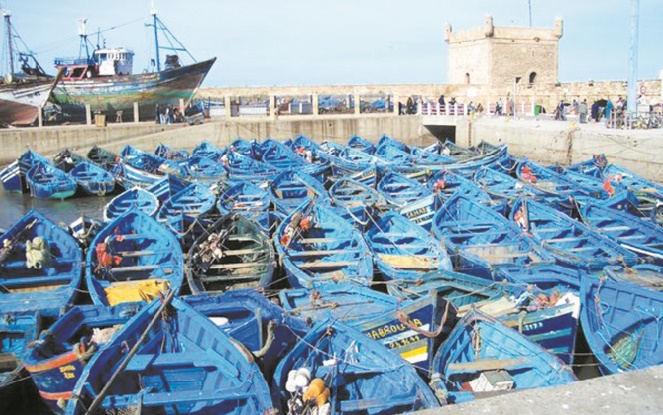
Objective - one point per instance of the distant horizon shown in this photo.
(369, 42)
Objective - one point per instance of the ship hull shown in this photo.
(119, 93)
(20, 104)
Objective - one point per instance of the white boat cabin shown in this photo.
(114, 61)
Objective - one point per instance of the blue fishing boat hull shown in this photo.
(132, 259)
(360, 374)
(315, 244)
(622, 324)
(406, 327)
(233, 253)
(58, 358)
(133, 198)
(185, 365)
(40, 266)
(483, 355)
(45, 181)
(92, 179)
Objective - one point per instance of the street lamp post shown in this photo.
(632, 93)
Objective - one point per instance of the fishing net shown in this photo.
(626, 348)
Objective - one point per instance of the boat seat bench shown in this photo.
(487, 364)
(174, 398)
(322, 264)
(322, 252)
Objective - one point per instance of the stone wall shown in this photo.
(496, 56)
(547, 95)
(474, 62)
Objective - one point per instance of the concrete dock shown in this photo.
(633, 393)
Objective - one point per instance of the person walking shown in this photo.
(582, 112)
(608, 109)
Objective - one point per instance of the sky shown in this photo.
(341, 42)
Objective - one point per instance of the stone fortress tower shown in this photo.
(499, 56)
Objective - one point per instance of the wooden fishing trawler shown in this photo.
(104, 80)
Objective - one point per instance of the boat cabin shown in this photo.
(114, 61)
(104, 62)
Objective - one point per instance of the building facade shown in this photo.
(501, 56)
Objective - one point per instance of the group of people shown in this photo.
(167, 114)
(597, 111)
(504, 108)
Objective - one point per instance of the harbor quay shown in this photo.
(538, 138)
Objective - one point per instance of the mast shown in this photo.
(156, 37)
(10, 38)
(82, 32)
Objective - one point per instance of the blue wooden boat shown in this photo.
(129, 176)
(141, 160)
(569, 241)
(14, 175)
(249, 200)
(194, 201)
(106, 159)
(394, 156)
(203, 169)
(500, 185)
(208, 150)
(182, 365)
(241, 146)
(133, 258)
(165, 151)
(481, 240)
(252, 319)
(46, 181)
(544, 276)
(549, 181)
(233, 253)
(387, 141)
(547, 317)
(646, 275)
(349, 373)
(355, 201)
(645, 192)
(361, 144)
(302, 141)
(40, 266)
(66, 160)
(349, 161)
(243, 168)
(280, 156)
(187, 213)
(408, 197)
(167, 186)
(483, 355)
(406, 327)
(92, 179)
(315, 244)
(129, 151)
(291, 188)
(18, 331)
(368, 177)
(622, 324)
(403, 250)
(446, 183)
(639, 236)
(57, 359)
(135, 198)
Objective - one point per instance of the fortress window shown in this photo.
(532, 77)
